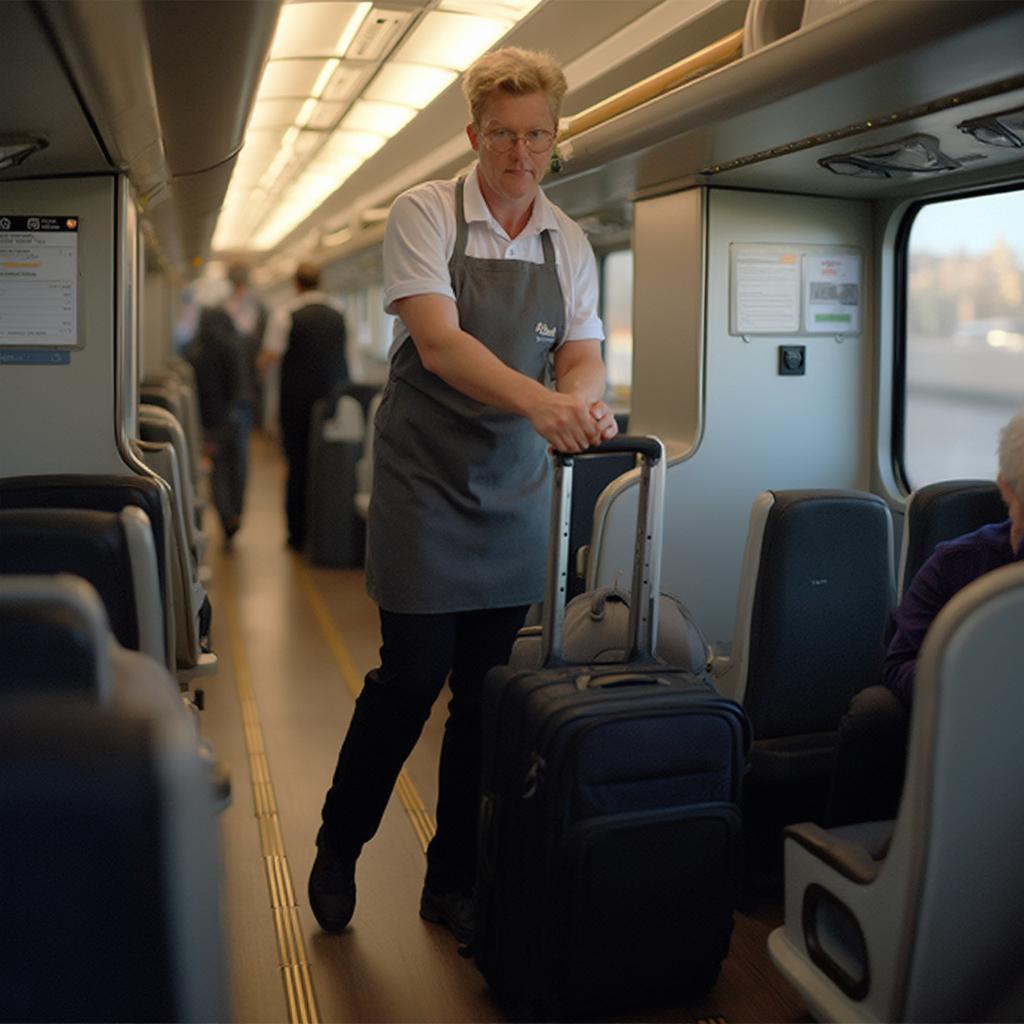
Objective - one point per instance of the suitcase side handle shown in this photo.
(646, 584)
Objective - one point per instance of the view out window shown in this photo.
(965, 335)
(617, 314)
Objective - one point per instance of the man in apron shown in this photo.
(496, 289)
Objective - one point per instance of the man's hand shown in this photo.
(605, 420)
(566, 421)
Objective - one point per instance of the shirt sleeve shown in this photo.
(584, 322)
(279, 326)
(415, 243)
(925, 598)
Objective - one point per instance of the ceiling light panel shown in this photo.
(290, 78)
(413, 85)
(510, 10)
(345, 83)
(344, 144)
(380, 118)
(325, 116)
(448, 40)
(377, 34)
(317, 29)
(275, 113)
(325, 54)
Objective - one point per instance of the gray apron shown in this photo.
(459, 511)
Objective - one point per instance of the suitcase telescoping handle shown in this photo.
(646, 584)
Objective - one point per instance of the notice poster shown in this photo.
(38, 281)
(765, 289)
(832, 293)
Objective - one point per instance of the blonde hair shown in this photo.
(517, 72)
(1011, 453)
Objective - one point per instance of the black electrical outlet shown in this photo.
(791, 360)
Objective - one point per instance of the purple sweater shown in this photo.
(953, 565)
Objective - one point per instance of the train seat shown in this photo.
(158, 425)
(815, 589)
(114, 551)
(192, 613)
(942, 511)
(169, 393)
(53, 631)
(932, 929)
(174, 390)
(56, 637)
(104, 493)
(110, 860)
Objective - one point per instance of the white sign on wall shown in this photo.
(832, 290)
(794, 289)
(38, 281)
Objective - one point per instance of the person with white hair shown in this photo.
(868, 777)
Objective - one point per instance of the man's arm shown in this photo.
(563, 418)
(579, 369)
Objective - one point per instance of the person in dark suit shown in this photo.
(216, 355)
(308, 338)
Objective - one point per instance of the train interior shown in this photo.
(737, 154)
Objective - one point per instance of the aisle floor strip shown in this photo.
(420, 818)
(296, 975)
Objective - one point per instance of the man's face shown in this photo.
(513, 176)
(1015, 506)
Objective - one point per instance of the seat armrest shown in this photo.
(850, 859)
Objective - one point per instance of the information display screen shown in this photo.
(38, 281)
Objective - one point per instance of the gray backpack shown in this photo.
(596, 632)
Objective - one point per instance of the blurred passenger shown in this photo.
(249, 315)
(873, 736)
(495, 288)
(308, 337)
(216, 355)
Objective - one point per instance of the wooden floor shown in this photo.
(294, 643)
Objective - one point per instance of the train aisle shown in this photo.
(294, 643)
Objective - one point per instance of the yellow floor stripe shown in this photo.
(421, 819)
(296, 975)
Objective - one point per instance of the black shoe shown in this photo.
(455, 910)
(332, 890)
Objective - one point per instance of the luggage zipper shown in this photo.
(534, 776)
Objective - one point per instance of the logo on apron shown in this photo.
(544, 335)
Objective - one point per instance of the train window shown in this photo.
(617, 313)
(964, 335)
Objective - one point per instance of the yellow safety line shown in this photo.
(296, 974)
(421, 819)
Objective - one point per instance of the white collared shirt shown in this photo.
(279, 327)
(420, 239)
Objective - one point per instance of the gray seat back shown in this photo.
(110, 864)
(113, 551)
(816, 590)
(53, 635)
(962, 815)
(942, 511)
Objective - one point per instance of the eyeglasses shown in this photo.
(503, 140)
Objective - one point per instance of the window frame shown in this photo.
(901, 269)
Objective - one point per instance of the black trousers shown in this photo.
(867, 781)
(417, 653)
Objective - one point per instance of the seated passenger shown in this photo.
(868, 776)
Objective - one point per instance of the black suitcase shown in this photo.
(609, 832)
